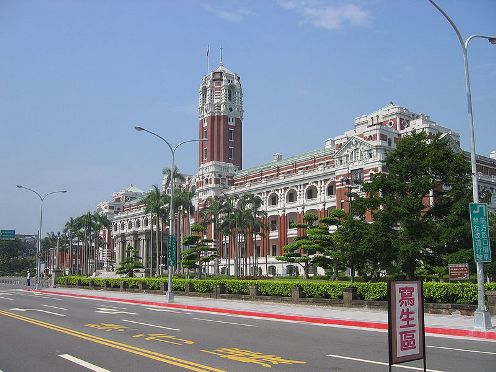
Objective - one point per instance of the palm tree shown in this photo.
(70, 229)
(213, 210)
(255, 202)
(154, 203)
(177, 175)
(83, 223)
(236, 220)
(99, 222)
(228, 228)
(184, 206)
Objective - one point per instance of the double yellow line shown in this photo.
(192, 366)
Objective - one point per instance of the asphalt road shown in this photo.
(40, 332)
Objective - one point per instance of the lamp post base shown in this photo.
(482, 320)
(169, 297)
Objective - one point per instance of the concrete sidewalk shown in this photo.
(449, 325)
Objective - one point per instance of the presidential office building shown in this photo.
(317, 181)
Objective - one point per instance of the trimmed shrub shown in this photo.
(434, 292)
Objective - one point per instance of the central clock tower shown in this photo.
(220, 112)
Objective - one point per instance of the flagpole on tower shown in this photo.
(221, 63)
(208, 59)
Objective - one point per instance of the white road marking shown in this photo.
(55, 307)
(6, 298)
(167, 310)
(151, 325)
(104, 310)
(83, 363)
(380, 363)
(465, 350)
(43, 296)
(115, 307)
(41, 311)
(220, 321)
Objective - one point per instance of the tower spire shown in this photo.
(221, 62)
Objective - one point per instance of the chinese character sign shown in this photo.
(406, 321)
(480, 232)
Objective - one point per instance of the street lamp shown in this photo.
(38, 251)
(169, 295)
(482, 318)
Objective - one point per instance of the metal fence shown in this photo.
(21, 282)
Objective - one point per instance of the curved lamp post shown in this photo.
(482, 318)
(169, 295)
(38, 251)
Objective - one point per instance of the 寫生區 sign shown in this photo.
(406, 332)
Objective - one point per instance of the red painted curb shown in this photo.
(489, 335)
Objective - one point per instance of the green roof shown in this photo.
(134, 189)
(286, 161)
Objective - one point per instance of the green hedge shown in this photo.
(434, 292)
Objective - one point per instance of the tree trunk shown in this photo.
(150, 253)
(235, 261)
(215, 236)
(157, 232)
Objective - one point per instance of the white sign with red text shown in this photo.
(406, 321)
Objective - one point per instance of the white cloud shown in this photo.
(231, 15)
(326, 14)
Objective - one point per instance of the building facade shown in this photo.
(317, 181)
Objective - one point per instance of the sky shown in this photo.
(77, 75)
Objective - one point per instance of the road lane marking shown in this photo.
(167, 310)
(83, 363)
(104, 310)
(43, 296)
(39, 310)
(220, 321)
(186, 364)
(55, 307)
(115, 307)
(6, 298)
(380, 363)
(465, 350)
(151, 325)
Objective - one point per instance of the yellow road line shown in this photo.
(116, 345)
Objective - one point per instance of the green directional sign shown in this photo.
(171, 250)
(7, 234)
(480, 232)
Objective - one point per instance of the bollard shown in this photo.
(188, 287)
(349, 294)
(297, 293)
(254, 292)
(491, 302)
(219, 289)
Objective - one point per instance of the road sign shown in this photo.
(171, 250)
(406, 333)
(480, 232)
(7, 234)
(458, 271)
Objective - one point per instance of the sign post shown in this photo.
(7, 234)
(171, 251)
(406, 332)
